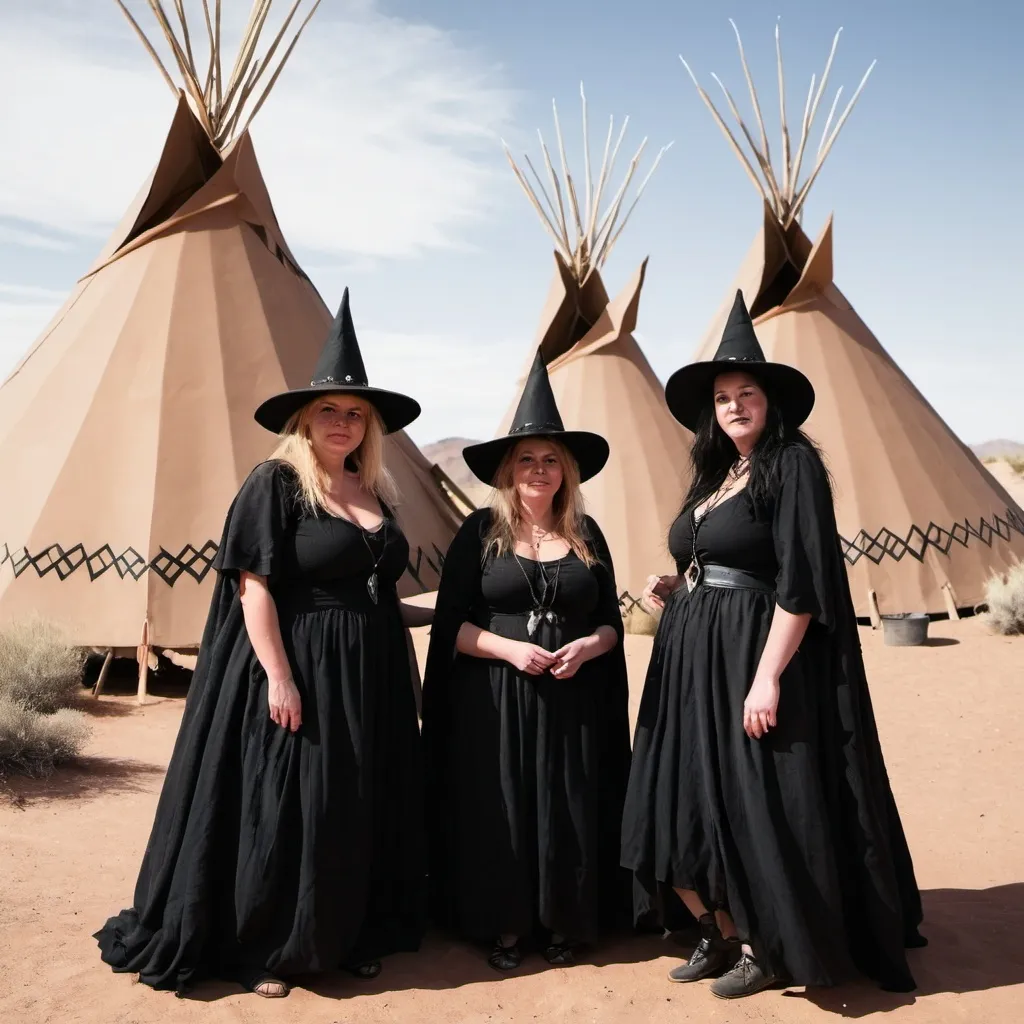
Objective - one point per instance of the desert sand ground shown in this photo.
(951, 719)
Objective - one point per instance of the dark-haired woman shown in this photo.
(758, 790)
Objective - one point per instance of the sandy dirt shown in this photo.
(1009, 478)
(951, 720)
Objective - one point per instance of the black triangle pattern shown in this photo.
(190, 561)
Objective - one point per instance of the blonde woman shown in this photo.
(525, 718)
(288, 834)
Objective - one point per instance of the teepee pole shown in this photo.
(765, 153)
(223, 105)
(595, 229)
(736, 148)
(787, 164)
(143, 655)
(814, 106)
(762, 159)
(149, 48)
(801, 198)
(786, 199)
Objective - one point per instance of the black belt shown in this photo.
(734, 579)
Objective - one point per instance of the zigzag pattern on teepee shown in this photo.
(896, 464)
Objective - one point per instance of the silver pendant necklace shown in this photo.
(541, 608)
(371, 581)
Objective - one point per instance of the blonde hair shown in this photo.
(296, 448)
(567, 506)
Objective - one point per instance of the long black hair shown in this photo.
(714, 453)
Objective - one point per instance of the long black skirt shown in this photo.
(795, 834)
(294, 853)
(527, 796)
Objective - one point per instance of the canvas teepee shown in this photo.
(601, 379)
(128, 427)
(923, 523)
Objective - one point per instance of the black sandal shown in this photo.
(366, 971)
(559, 954)
(505, 958)
(252, 980)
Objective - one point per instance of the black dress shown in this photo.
(797, 834)
(526, 774)
(290, 852)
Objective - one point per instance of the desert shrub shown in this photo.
(40, 677)
(33, 743)
(1004, 596)
(639, 622)
(1016, 463)
(39, 669)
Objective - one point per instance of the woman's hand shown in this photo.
(528, 658)
(285, 703)
(569, 658)
(658, 590)
(761, 706)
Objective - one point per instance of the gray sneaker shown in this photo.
(746, 978)
(712, 955)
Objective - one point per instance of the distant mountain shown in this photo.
(1000, 449)
(447, 454)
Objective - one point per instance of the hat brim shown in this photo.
(688, 391)
(589, 450)
(396, 411)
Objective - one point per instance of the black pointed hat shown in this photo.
(339, 370)
(688, 390)
(537, 416)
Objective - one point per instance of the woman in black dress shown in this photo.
(525, 701)
(288, 837)
(758, 788)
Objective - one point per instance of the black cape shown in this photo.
(299, 852)
(526, 774)
(796, 834)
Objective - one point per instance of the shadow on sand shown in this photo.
(976, 943)
(445, 963)
(82, 778)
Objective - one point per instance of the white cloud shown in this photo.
(380, 138)
(32, 239)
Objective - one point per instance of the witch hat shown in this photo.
(339, 370)
(688, 391)
(537, 416)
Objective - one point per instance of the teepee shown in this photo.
(923, 524)
(601, 379)
(128, 427)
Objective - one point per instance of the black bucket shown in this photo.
(909, 629)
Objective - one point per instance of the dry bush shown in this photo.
(1004, 596)
(32, 743)
(39, 669)
(638, 622)
(40, 677)
(1016, 463)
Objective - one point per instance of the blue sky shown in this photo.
(381, 150)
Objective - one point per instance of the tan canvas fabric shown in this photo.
(603, 382)
(127, 429)
(923, 522)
